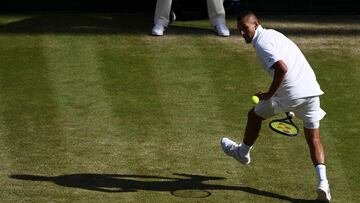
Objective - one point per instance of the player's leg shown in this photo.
(253, 127)
(311, 113)
(315, 146)
(241, 151)
(216, 13)
(161, 18)
(318, 158)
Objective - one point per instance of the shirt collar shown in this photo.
(258, 30)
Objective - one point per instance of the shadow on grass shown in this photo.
(63, 23)
(349, 22)
(310, 31)
(189, 186)
(318, 31)
(141, 24)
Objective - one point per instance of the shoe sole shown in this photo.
(322, 195)
(156, 34)
(223, 35)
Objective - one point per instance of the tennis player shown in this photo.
(294, 88)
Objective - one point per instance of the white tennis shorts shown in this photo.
(307, 109)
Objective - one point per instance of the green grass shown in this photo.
(95, 110)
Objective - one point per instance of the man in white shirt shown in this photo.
(216, 13)
(294, 88)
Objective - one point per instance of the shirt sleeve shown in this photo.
(268, 54)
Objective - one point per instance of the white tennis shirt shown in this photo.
(300, 80)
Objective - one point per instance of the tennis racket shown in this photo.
(285, 126)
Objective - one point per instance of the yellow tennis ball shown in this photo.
(255, 99)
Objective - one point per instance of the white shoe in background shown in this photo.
(172, 17)
(222, 30)
(158, 30)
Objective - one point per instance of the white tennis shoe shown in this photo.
(158, 30)
(323, 191)
(236, 151)
(222, 30)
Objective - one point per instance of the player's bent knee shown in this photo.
(312, 125)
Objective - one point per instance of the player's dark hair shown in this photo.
(243, 14)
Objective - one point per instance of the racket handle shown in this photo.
(290, 114)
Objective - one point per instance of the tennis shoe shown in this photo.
(222, 30)
(323, 192)
(236, 151)
(172, 17)
(158, 30)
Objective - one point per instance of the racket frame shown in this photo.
(287, 120)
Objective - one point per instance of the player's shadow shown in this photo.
(91, 23)
(116, 183)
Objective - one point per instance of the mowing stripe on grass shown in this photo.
(85, 113)
(29, 130)
(187, 93)
(141, 118)
(131, 88)
(28, 107)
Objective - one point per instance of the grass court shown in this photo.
(93, 109)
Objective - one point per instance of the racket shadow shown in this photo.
(116, 183)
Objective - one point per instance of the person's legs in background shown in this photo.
(217, 16)
(161, 18)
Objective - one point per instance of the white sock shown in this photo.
(244, 149)
(321, 172)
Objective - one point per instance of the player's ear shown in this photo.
(256, 23)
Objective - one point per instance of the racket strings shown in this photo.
(284, 127)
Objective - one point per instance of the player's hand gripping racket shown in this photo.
(285, 126)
